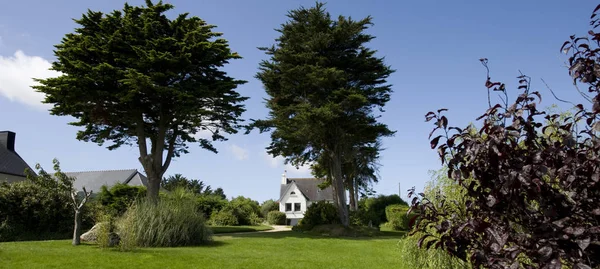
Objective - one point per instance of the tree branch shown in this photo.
(170, 151)
(142, 145)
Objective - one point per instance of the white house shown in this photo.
(297, 194)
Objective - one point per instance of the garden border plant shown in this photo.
(533, 198)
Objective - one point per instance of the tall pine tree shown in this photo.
(137, 77)
(323, 86)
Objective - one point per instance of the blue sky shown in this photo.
(433, 45)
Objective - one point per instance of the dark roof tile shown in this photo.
(310, 188)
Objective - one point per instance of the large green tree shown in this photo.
(137, 77)
(323, 86)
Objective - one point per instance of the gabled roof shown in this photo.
(11, 163)
(94, 180)
(309, 188)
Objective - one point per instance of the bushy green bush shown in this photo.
(243, 209)
(397, 219)
(239, 211)
(276, 218)
(268, 206)
(170, 222)
(318, 213)
(411, 256)
(119, 197)
(208, 204)
(225, 217)
(29, 211)
(372, 209)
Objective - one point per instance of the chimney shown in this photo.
(284, 180)
(7, 140)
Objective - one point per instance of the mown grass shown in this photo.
(254, 250)
(238, 229)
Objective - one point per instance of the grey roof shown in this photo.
(94, 180)
(309, 188)
(10, 161)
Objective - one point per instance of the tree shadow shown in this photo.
(210, 244)
(313, 236)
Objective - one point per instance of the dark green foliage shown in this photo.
(178, 181)
(373, 208)
(531, 179)
(318, 213)
(224, 217)
(268, 206)
(276, 218)
(120, 196)
(245, 209)
(208, 204)
(134, 75)
(29, 210)
(239, 211)
(170, 222)
(324, 85)
(41, 207)
(219, 192)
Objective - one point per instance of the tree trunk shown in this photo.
(77, 228)
(153, 186)
(339, 189)
(356, 195)
(352, 198)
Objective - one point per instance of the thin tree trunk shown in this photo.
(356, 195)
(339, 189)
(77, 228)
(352, 198)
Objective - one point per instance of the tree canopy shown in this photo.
(133, 76)
(323, 85)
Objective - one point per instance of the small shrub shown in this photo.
(360, 218)
(119, 197)
(243, 208)
(207, 204)
(106, 230)
(170, 222)
(411, 256)
(255, 219)
(268, 206)
(319, 213)
(373, 208)
(397, 218)
(276, 218)
(225, 217)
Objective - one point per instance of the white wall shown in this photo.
(293, 198)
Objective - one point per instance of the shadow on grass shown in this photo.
(211, 244)
(310, 235)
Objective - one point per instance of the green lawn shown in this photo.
(239, 229)
(255, 250)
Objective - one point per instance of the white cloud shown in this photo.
(16, 78)
(239, 152)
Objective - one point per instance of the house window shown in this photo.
(288, 207)
(297, 207)
(293, 193)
